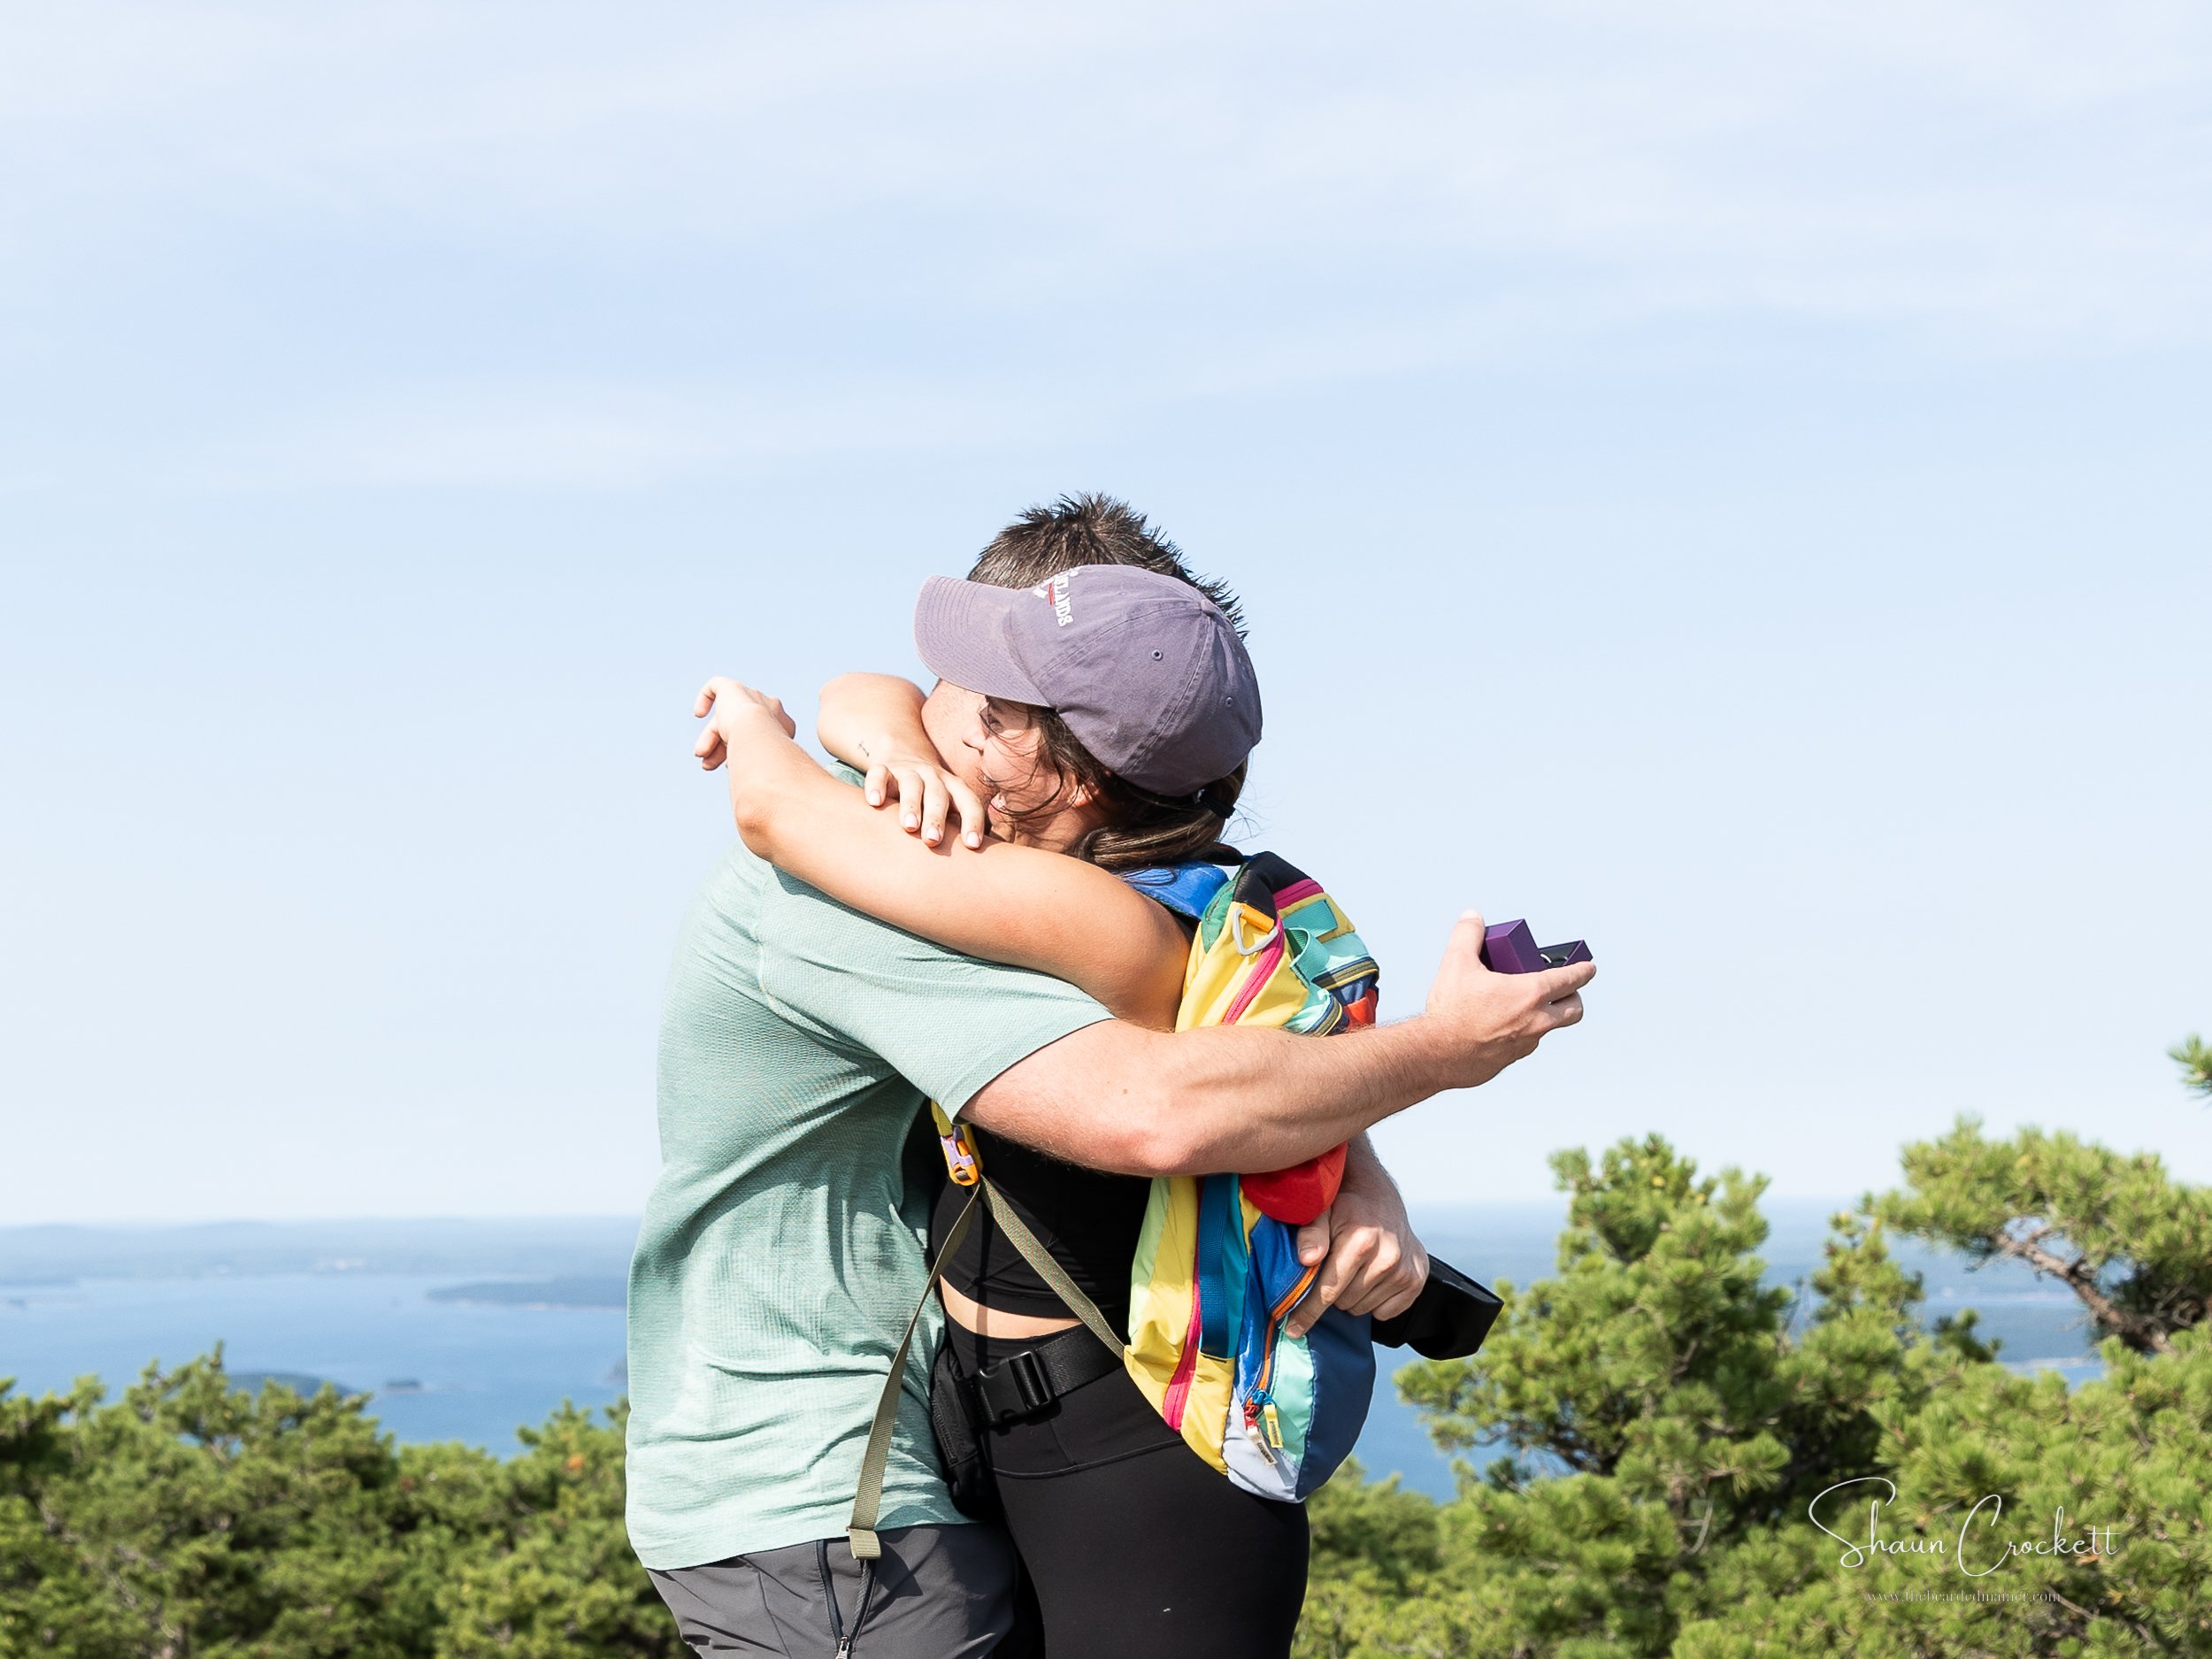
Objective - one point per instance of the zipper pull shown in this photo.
(1254, 1405)
(844, 1648)
(1274, 1425)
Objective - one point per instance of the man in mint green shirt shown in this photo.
(781, 1251)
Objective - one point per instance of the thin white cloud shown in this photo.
(611, 436)
(1236, 194)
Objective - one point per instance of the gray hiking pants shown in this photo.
(937, 1592)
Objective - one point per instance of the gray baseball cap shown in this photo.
(1149, 674)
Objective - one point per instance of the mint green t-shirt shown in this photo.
(781, 1251)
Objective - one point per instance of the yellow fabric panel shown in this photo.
(1217, 977)
(1159, 1305)
(1159, 1319)
(1206, 1409)
(1210, 985)
(1281, 1000)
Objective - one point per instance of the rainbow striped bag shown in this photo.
(1217, 1269)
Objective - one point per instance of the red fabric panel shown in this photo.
(1299, 1193)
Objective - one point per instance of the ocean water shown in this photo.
(438, 1369)
(474, 1369)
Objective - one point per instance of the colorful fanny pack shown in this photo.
(1217, 1269)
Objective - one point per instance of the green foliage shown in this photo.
(1668, 1424)
(2133, 1245)
(2195, 1061)
(2126, 1452)
(553, 1578)
(1374, 1583)
(1670, 1429)
(192, 1518)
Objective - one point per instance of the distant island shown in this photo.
(572, 1290)
(299, 1382)
(308, 1386)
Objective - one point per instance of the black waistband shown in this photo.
(1005, 1384)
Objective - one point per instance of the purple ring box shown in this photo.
(1509, 947)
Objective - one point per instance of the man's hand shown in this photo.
(734, 708)
(1374, 1264)
(1486, 1021)
(925, 789)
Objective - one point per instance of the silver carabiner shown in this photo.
(1250, 947)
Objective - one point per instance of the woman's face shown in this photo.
(1000, 753)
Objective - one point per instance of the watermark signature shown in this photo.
(1972, 1546)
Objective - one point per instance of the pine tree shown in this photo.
(1672, 1428)
(2134, 1246)
(2195, 1061)
(191, 1519)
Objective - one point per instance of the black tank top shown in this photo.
(1089, 1221)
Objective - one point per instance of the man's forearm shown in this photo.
(1253, 1098)
(1233, 1097)
(1217, 1098)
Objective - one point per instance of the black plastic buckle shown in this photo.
(1015, 1388)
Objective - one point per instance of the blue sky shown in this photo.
(1729, 482)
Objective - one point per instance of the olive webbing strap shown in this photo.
(869, 1500)
(861, 1529)
(1040, 1260)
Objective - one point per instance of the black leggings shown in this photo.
(1132, 1544)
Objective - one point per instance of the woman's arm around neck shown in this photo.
(999, 901)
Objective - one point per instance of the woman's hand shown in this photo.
(738, 713)
(1371, 1261)
(926, 791)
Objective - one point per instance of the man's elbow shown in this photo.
(759, 820)
(1158, 1137)
(1112, 1098)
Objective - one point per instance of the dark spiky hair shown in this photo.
(1090, 529)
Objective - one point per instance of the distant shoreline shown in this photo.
(54, 1254)
(600, 1295)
